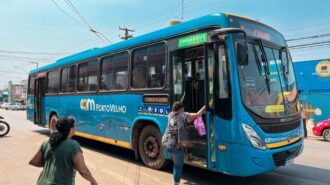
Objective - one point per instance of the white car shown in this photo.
(14, 106)
(4, 105)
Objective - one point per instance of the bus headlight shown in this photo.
(253, 137)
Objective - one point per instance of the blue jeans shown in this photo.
(178, 161)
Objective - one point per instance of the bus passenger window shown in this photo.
(107, 73)
(120, 71)
(156, 64)
(72, 79)
(87, 80)
(53, 81)
(31, 85)
(114, 70)
(68, 79)
(148, 69)
(64, 80)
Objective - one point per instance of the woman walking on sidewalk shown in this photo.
(60, 157)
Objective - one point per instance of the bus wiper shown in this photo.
(257, 59)
(285, 67)
(265, 64)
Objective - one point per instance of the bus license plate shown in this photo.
(289, 161)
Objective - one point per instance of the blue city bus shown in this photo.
(121, 94)
(313, 80)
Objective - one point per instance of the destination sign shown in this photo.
(192, 40)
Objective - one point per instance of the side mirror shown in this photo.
(242, 55)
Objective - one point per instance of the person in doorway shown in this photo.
(60, 157)
(177, 118)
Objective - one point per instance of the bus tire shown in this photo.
(52, 123)
(150, 148)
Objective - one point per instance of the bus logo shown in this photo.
(87, 104)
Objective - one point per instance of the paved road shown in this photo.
(116, 166)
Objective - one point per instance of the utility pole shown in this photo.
(126, 34)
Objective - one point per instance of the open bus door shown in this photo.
(190, 84)
(39, 93)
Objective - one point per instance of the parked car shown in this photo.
(23, 106)
(14, 106)
(4, 105)
(322, 128)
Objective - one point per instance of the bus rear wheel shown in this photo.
(150, 148)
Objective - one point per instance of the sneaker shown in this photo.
(175, 183)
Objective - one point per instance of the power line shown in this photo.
(27, 59)
(309, 37)
(306, 27)
(315, 44)
(135, 21)
(30, 53)
(66, 13)
(10, 72)
(191, 7)
(98, 34)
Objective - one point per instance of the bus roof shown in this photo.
(219, 19)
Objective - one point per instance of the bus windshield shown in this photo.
(268, 84)
(275, 97)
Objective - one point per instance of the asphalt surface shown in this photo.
(112, 165)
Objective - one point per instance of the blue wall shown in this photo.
(314, 85)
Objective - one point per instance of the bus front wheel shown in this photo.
(150, 148)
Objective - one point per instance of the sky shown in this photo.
(41, 31)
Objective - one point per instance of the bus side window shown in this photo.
(87, 80)
(68, 79)
(53, 81)
(148, 68)
(107, 67)
(64, 79)
(114, 70)
(72, 79)
(31, 85)
(120, 72)
(156, 64)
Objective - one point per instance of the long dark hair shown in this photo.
(177, 106)
(63, 127)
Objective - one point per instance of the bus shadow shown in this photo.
(107, 149)
(44, 132)
(6, 136)
(293, 174)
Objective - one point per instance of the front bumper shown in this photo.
(248, 161)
